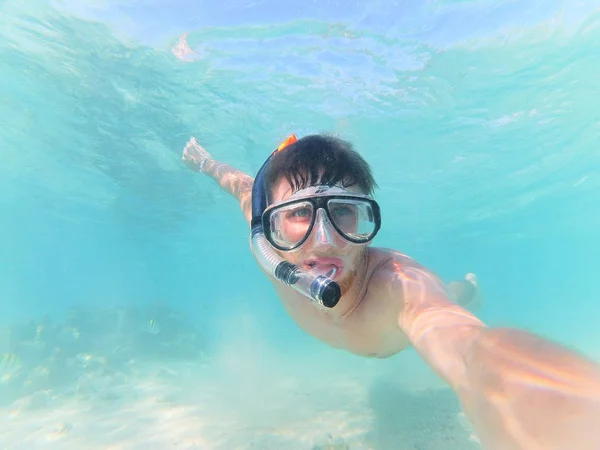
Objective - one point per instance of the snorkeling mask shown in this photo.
(287, 225)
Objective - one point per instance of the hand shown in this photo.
(467, 292)
(476, 301)
(194, 155)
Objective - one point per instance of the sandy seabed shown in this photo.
(241, 392)
(227, 404)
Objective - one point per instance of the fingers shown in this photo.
(190, 150)
(472, 278)
(192, 147)
(192, 164)
(192, 143)
(194, 154)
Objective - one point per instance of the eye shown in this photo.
(301, 213)
(343, 211)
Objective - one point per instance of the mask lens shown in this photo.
(353, 218)
(290, 224)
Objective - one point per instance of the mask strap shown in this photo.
(259, 193)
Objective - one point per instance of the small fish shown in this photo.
(84, 358)
(87, 360)
(152, 327)
(9, 361)
(9, 365)
(39, 332)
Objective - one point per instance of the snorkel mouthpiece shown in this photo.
(286, 272)
(325, 291)
(318, 288)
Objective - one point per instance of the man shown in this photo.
(318, 218)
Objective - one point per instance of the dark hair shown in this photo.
(320, 159)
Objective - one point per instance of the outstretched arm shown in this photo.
(520, 392)
(231, 180)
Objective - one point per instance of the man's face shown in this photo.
(325, 250)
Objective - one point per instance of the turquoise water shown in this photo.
(480, 120)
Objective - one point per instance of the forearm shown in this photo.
(521, 392)
(233, 181)
(440, 330)
(524, 392)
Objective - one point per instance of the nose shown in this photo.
(324, 231)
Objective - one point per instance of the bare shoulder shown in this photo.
(392, 265)
(398, 278)
(384, 271)
(387, 258)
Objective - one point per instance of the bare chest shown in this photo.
(370, 329)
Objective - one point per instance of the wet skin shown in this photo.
(521, 392)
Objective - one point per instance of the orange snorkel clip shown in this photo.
(289, 140)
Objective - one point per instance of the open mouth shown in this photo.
(330, 267)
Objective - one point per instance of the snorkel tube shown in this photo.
(318, 288)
